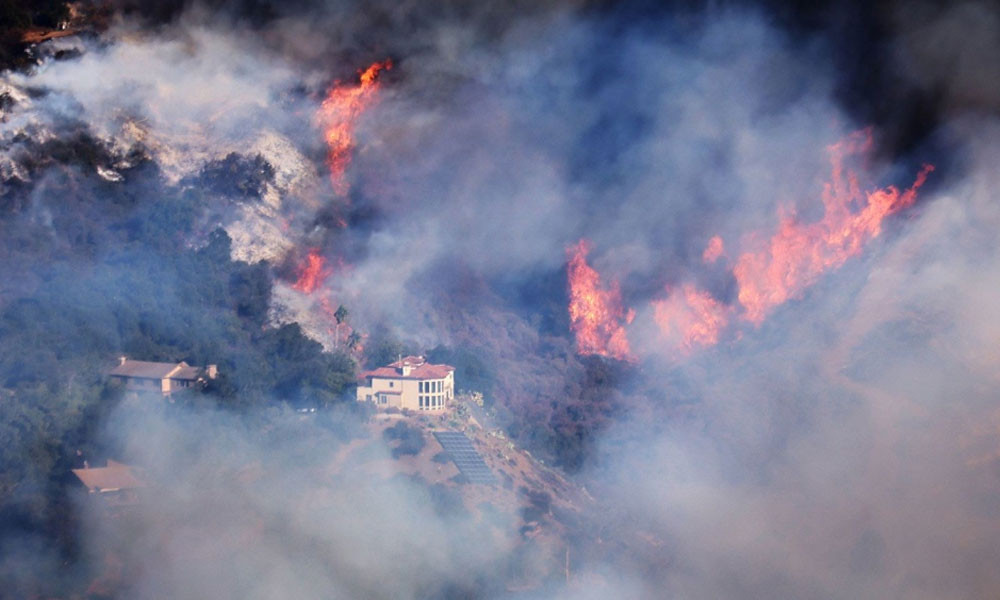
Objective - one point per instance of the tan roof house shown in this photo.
(116, 485)
(163, 378)
(411, 383)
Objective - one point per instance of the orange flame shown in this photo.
(691, 319)
(311, 273)
(794, 258)
(797, 254)
(596, 314)
(338, 114)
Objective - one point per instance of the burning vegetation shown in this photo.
(595, 310)
(797, 254)
(566, 205)
(312, 272)
(338, 116)
(767, 275)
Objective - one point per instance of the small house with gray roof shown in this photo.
(159, 377)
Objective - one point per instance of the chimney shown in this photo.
(212, 371)
(121, 360)
(404, 365)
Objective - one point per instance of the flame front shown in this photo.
(797, 254)
(311, 273)
(338, 115)
(596, 314)
(767, 275)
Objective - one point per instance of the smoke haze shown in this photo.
(844, 447)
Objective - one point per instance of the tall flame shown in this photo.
(337, 116)
(596, 314)
(769, 274)
(312, 272)
(797, 254)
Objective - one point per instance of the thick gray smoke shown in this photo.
(647, 153)
(288, 510)
(187, 97)
(852, 451)
(847, 448)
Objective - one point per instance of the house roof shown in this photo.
(115, 476)
(424, 371)
(155, 370)
(186, 372)
(412, 361)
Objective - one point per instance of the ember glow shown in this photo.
(597, 317)
(798, 254)
(311, 273)
(690, 318)
(338, 115)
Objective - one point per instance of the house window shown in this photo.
(392, 384)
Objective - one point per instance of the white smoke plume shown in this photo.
(846, 448)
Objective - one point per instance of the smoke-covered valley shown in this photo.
(727, 272)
